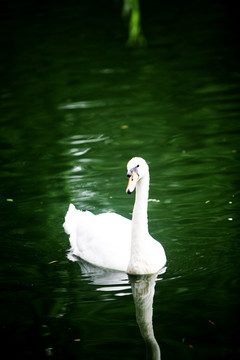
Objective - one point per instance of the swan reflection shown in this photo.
(142, 288)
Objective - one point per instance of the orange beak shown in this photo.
(132, 183)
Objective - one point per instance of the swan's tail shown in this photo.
(76, 220)
(70, 219)
(75, 225)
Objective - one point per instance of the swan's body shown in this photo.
(111, 241)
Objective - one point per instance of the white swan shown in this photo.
(111, 241)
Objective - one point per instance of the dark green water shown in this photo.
(76, 105)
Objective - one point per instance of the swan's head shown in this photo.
(137, 168)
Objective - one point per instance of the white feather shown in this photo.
(111, 241)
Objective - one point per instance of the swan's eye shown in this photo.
(137, 166)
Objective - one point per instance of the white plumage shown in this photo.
(111, 241)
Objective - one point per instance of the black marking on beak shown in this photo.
(129, 173)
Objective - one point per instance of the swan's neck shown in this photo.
(140, 217)
(138, 263)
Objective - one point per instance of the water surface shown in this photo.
(76, 105)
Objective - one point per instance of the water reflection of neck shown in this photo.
(143, 292)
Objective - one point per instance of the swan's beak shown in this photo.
(133, 178)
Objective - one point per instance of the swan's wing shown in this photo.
(103, 240)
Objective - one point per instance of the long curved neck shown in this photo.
(140, 217)
(137, 263)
